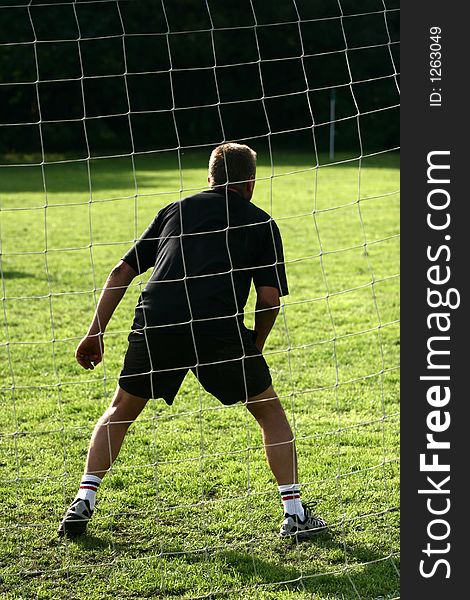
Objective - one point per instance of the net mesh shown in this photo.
(110, 110)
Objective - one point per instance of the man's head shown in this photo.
(233, 165)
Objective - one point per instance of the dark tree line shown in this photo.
(145, 74)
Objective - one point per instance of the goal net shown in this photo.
(109, 111)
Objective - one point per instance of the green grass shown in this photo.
(190, 509)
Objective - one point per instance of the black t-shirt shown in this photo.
(205, 250)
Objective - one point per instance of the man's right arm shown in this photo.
(270, 282)
(267, 309)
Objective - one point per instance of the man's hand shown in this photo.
(89, 352)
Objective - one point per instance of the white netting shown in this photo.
(110, 110)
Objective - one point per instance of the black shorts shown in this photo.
(229, 367)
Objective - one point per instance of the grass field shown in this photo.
(190, 509)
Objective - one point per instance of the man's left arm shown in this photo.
(138, 259)
(90, 350)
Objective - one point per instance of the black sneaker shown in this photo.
(76, 519)
(309, 527)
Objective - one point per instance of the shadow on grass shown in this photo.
(367, 574)
(159, 173)
(313, 566)
(17, 275)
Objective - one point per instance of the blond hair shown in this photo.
(231, 164)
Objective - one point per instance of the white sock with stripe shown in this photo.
(290, 496)
(88, 487)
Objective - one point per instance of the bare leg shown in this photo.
(278, 439)
(110, 430)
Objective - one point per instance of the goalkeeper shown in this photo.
(205, 251)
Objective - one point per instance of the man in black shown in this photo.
(205, 251)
